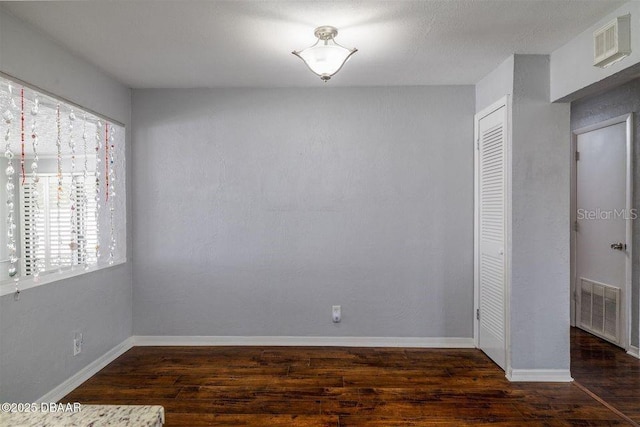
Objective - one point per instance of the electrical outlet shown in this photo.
(336, 314)
(77, 343)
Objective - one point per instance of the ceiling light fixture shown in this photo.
(326, 57)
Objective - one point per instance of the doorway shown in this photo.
(604, 361)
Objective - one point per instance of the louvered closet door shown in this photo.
(491, 234)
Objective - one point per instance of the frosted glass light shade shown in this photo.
(326, 57)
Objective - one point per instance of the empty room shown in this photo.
(320, 213)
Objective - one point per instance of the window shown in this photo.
(62, 189)
(53, 234)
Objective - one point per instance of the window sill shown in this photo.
(8, 287)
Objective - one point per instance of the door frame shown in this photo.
(628, 119)
(505, 102)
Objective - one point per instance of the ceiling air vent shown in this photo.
(612, 42)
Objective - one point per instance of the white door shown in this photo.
(491, 137)
(602, 248)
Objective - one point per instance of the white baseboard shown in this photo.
(634, 351)
(539, 375)
(87, 372)
(159, 340)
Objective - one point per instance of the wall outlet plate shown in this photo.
(77, 343)
(336, 314)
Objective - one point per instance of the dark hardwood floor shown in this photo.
(607, 371)
(285, 386)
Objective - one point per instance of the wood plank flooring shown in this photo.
(607, 371)
(320, 386)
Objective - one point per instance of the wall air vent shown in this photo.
(612, 42)
(600, 310)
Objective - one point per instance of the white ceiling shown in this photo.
(151, 44)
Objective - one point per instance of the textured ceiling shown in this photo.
(151, 44)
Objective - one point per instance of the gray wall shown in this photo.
(256, 210)
(540, 215)
(36, 332)
(495, 85)
(572, 69)
(601, 107)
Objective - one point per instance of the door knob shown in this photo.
(618, 246)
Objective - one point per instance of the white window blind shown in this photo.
(61, 241)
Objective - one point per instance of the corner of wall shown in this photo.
(540, 229)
